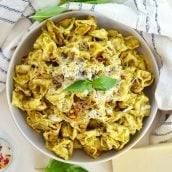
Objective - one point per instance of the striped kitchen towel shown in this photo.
(163, 133)
(151, 18)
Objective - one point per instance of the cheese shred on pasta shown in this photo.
(93, 120)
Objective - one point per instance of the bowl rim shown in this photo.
(8, 93)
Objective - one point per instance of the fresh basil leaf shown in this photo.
(48, 12)
(57, 166)
(75, 168)
(98, 1)
(65, 1)
(54, 10)
(87, 1)
(54, 166)
(80, 85)
(103, 83)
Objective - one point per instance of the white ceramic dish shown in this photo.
(10, 147)
(35, 139)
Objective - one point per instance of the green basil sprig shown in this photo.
(54, 10)
(48, 12)
(102, 83)
(87, 1)
(80, 85)
(58, 166)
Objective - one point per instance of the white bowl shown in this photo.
(37, 140)
(9, 142)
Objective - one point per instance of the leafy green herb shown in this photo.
(57, 166)
(65, 1)
(48, 12)
(98, 1)
(103, 83)
(80, 85)
(54, 10)
(87, 1)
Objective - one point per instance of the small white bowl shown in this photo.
(37, 140)
(9, 146)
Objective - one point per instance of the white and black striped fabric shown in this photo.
(151, 18)
(163, 133)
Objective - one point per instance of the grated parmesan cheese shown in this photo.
(54, 118)
(128, 109)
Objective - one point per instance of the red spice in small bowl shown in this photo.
(5, 154)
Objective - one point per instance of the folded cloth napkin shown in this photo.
(164, 132)
(151, 18)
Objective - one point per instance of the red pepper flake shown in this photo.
(52, 58)
(117, 108)
(109, 115)
(42, 103)
(135, 85)
(1, 165)
(1, 157)
(39, 74)
(82, 126)
(72, 116)
(5, 155)
(6, 161)
(98, 151)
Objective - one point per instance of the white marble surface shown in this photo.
(28, 158)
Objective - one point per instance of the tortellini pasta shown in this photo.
(92, 120)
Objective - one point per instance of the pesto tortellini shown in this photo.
(92, 120)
